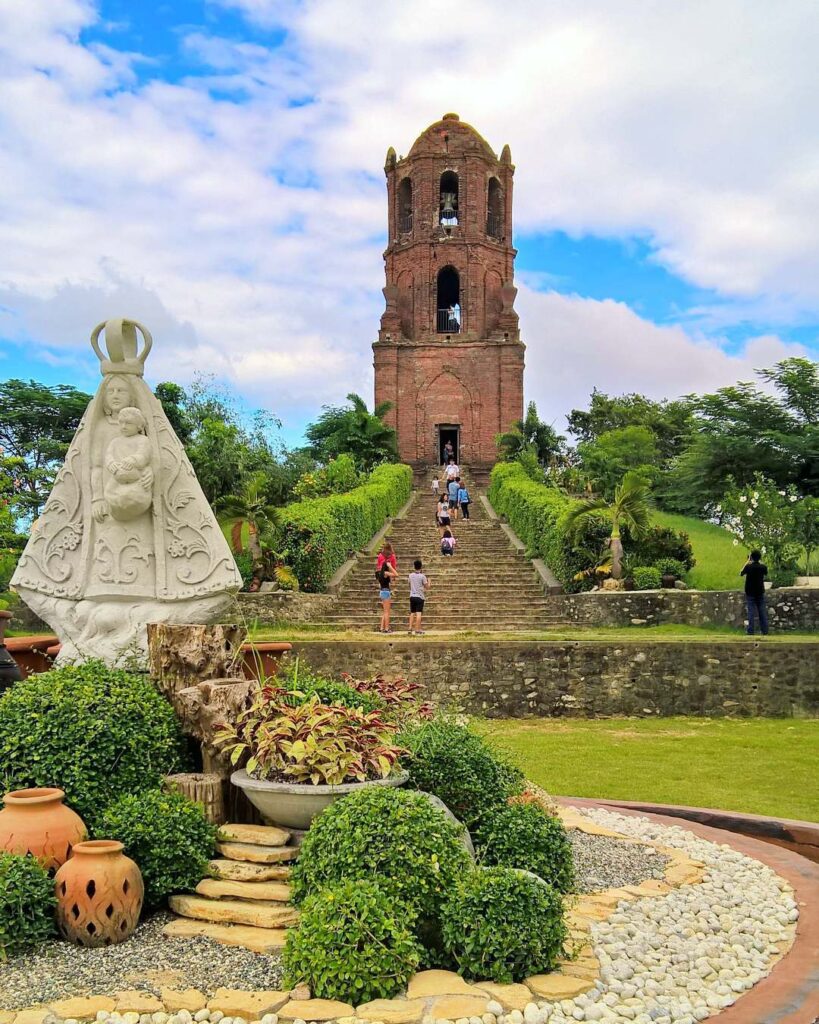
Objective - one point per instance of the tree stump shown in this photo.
(181, 656)
(205, 788)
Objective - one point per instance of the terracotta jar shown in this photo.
(99, 894)
(36, 821)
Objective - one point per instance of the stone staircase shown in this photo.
(245, 900)
(485, 586)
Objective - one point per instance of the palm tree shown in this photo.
(533, 434)
(250, 505)
(356, 431)
(631, 507)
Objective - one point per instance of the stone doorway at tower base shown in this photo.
(448, 433)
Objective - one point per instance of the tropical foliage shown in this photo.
(355, 431)
(532, 435)
(630, 507)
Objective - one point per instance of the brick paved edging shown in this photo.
(790, 993)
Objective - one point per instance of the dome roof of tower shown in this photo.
(451, 135)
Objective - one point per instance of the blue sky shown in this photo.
(214, 169)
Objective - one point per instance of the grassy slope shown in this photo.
(718, 560)
(762, 766)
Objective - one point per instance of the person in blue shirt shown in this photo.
(463, 499)
(452, 494)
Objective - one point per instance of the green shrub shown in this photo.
(671, 567)
(299, 680)
(537, 514)
(167, 835)
(353, 942)
(321, 533)
(503, 924)
(525, 836)
(460, 768)
(96, 732)
(244, 563)
(27, 904)
(658, 543)
(393, 836)
(646, 577)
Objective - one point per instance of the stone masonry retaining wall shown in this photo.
(292, 607)
(589, 679)
(788, 608)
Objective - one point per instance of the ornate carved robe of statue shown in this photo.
(126, 537)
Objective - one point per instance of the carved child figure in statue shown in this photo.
(126, 536)
(129, 479)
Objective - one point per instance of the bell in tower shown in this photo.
(449, 356)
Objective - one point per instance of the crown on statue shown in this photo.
(122, 344)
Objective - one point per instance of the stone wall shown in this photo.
(291, 607)
(788, 608)
(588, 679)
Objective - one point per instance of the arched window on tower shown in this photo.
(405, 206)
(449, 199)
(449, 301)
(494, 209)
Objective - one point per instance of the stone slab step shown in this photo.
(259, 940)
(258, 835)
(218, 888)
(258, 913)
(257, 854)
(244, 871)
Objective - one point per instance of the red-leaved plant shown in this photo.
(401, 698)
(311, 742)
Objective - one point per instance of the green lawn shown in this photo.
(759, 765)
(718, 559)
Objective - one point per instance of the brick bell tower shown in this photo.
(449, 356)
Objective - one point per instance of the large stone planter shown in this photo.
(293, 805)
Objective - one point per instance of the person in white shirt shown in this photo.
(436, 485)
(452, 470)
(419, 585)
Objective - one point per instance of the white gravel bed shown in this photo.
(679, 958)
(147, 961)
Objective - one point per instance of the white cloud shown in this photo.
(576, 344)
(247, 232)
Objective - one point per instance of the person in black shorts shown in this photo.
(443, 514)
(755, 572)
(419, 585)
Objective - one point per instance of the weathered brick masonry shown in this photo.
(450, 245)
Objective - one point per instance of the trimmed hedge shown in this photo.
(320, 534)
(537, 514)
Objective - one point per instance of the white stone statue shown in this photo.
(126, 537)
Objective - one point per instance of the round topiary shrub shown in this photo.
(167, 835)
(503, 924)
(395, 837)
(646, 577)
(525, 836)
(460, 768)
(27, 904)
(94, 731)
(353, 942)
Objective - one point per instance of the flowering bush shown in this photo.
(763, 516)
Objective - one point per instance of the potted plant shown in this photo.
(671, 570)
(297, 755)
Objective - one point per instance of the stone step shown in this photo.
(243, 871)
(217, 888)
(257, 854)
(258, 940)
(258, 913)
(258, 835)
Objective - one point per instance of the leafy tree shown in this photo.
(174, 402)
(743, 431)
(531, 433)
(37, 424)
(338, 476)
(612, 454)
(760, 515)
(250, 505)
(631, 508)
(670, 422)
(353, 430)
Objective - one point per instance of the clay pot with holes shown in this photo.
(99, 894)
(36, 821)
